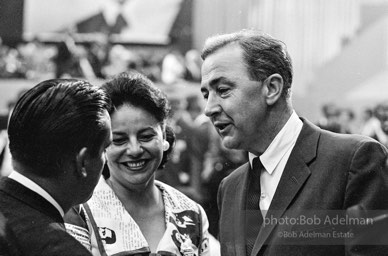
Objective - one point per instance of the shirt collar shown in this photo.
(283, 141)
(20, 178)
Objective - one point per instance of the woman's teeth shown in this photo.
(135, 164)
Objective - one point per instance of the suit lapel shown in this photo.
(239, 211)
(295, 174)
(31, 198)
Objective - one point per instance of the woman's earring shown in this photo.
(166, 145)
(83, 172)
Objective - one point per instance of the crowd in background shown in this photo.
(371, 122)
(199, 161)
(96, 59)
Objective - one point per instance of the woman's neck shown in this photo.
(144, 197)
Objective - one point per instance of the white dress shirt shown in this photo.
(274, 159)
(36, 188)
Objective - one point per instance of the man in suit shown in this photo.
(58, 132)
(300, 179)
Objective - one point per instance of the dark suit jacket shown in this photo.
(8, 244)
(325, 174)
(34, 226)
(369, 239)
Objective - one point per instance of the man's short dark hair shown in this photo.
(53, 121)
(263, 54)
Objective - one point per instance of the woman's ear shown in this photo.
(81, 160)
(274, 87)
(166, 145)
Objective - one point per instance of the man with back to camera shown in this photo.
(299, 169)
(58, 132)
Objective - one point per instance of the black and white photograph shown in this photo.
(194, 127)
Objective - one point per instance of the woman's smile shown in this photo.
(135, 165)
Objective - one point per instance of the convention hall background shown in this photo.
(339, 50)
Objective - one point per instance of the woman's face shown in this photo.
(137, 147)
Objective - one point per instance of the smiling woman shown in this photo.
(137, 147)
(130, 212)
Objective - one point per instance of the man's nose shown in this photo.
(212, 106)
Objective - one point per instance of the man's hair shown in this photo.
(263, 55)
(53, 121)
(137, 90)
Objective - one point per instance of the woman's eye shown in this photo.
(147, 137)
(119, 141)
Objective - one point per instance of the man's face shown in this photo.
(96, 163)
(235, 104)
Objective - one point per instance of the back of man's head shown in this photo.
(52, 121)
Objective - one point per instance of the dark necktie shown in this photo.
(253, 217)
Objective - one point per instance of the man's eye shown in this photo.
(205, 93)
(223, 90)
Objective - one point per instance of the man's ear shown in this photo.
(81, 160)
(274, 85)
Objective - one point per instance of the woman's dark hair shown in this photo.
(137, 90)
(54, 120)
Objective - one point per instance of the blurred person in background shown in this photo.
(97, 55)
(346, 120)
(193, 64)
(198, 140)
(151, 68)
(11, 64)
(295, 168)
(173, 67)
(119, 59)
(329, 119)
(72, 60)
(183, 171)
(66, 60)
(370, 123)
(5, 155)
(58, 133)
(219, 162)
(37, 58)
(214, 161)
(375, 126)
(382, 114)
(130, 212)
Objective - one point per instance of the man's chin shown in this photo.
(86, 198)
(229, 143)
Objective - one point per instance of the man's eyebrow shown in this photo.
(220, 80)
(214, 82)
